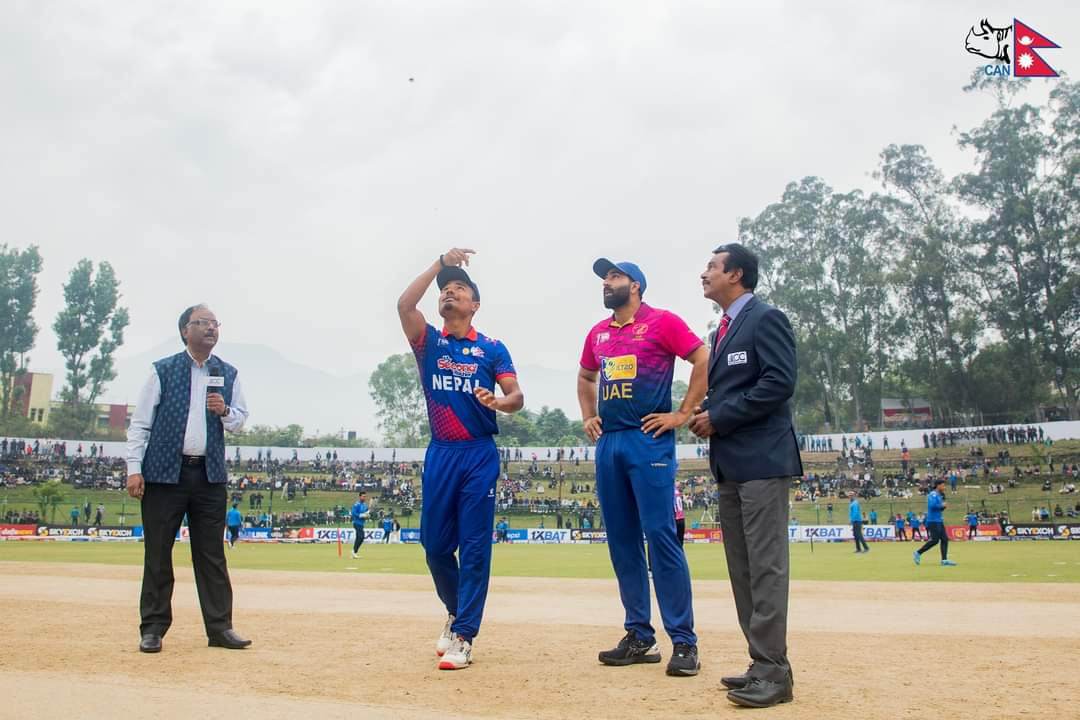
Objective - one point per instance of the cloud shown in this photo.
(275, 161)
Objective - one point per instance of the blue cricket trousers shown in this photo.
(458, 514)
(635, 483)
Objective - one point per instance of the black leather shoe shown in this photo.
(760, 693)
(150, 643)
(734, 682)
(229, 640)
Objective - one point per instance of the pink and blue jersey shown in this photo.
(451, 369)
(636, 362)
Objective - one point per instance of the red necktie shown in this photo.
(724, 323)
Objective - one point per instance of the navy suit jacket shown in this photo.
(751, 378)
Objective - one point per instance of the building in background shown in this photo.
(910, 413)
(33, 393)
(108, 416)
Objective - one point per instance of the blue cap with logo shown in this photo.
(603, 266)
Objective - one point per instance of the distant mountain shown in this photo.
(280, 391)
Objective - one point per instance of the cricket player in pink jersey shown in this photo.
(631, 356)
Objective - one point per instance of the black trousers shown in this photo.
(359, 539)
(680, 529)
(860, 541)
(163, 509)
(937, 535)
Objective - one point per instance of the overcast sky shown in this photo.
(276, 161)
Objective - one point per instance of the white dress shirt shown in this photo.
(195, 433)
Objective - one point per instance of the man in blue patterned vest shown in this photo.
(176, 467)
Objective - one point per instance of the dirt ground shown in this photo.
(358, 645)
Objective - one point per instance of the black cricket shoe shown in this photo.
(684, 661)
(630, 651)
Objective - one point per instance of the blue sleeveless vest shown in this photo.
(161, 463)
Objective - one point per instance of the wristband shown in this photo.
(441, 263)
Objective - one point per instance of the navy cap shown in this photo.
(451, 273)
(603, 266)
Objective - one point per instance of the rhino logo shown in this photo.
(988, 41)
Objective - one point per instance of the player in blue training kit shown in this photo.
(234, 521)
(359, 515)
(459, 369)
(935, 524)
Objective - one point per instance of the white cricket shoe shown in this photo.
(447, 636)
(354, 556)
(458, 655)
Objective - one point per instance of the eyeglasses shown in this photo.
(205, 323)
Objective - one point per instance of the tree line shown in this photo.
(89, 330)
(964, 291)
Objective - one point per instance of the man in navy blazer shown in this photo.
(753, 454)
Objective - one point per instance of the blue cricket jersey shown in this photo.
(935, 505)
(359, 511)
(233, 518)
(855, 512)
(451, 369)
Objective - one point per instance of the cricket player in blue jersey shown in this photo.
(459, 369)
(233, 521)
(624, 391)
(973, 524)
(855, 516)
(935, 524)
(359, 515)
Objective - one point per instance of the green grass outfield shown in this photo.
(998, 562)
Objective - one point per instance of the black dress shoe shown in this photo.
(228, 639)
(150, 643)
(760, 693)
(734, 682)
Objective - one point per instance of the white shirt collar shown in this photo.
(740, 302)
(196, 362)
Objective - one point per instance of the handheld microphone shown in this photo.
(215, 383)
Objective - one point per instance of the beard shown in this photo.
(617, 298)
